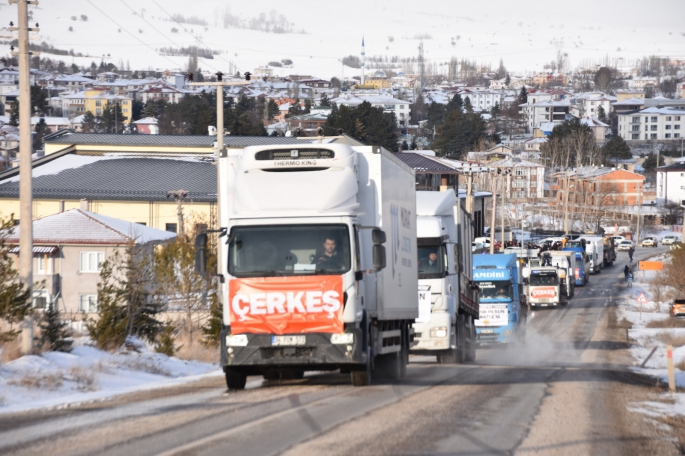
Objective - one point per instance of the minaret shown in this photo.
(363, 59)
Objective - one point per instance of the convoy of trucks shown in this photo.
(502, 313)
(448, 301)
(333, 261)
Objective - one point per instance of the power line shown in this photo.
(134, 36)
(155, 28)
(191, 34)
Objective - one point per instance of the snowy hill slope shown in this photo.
(524, 36)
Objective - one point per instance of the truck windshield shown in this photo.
(431, 262)
(263, 251)
(543, 278)
(495, 290)
(574, 244)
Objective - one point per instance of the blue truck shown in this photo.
(502, 307)
(582, 262)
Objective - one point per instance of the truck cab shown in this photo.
(502, 315)
(546, 287)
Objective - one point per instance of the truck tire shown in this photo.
(471, 343)
(363, 377)
(460, 352)
(389, 366)
(271, 376)
(447, 357)
(404, 360)
(235, 380)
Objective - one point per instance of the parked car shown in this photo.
(670, 239)
(625, 245)
(618, 239)
(649, 241)
(678, 308)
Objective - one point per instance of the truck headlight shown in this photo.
(236, 340)
(440, 331)
(344, 338)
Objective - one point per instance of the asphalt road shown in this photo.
(566, 391)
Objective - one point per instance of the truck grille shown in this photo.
(287, 352)
(301, 154)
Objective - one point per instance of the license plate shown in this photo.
(288, 340)
(487, 331)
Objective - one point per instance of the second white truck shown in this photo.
(448, 299)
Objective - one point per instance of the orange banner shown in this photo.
(543, 292)
(286, 305)
(651, 266)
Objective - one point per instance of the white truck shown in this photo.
(448, 298)
(546, 287)
(305, 283)
(594, 249)
(565, 260)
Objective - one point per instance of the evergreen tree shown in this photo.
(40, 101)
(41, 127)
(88, 124)
(365, 123)
(137, 110)
(523, 96)
(419, 110)
(617, 148)
(54, 333)
(459, 133)
(272, 109)
(14, 114)
(307, 106)
(507, 81)
(467, 105)
(113, 120)
(212, 328)
(15, 296)
(650, 162)
(167, 341)
(455, 104)
(154, 108)
(601, 115)
(325, 102)
(436, 114)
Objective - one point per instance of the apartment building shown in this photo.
(652, 123)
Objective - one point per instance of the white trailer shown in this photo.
(448, 303)
(306, 284)
(594, 249)
(565, 260)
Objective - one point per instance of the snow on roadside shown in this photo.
(647, 338)
(56, 379)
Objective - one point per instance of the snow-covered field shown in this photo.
(524, 35)
(55, 380)
(646, 339)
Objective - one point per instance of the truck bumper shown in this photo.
(496, 334)
(317, 353)
(426, 339)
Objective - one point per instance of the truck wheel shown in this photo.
(271, 375)
(404, 360)
(447, 357)
(388, 366)
(363, 377)
(471, 343)
(235, 380)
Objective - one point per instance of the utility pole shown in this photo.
(493, 220)
(25, 178)
(639, 212)
(179, 197)
(219, 151)
(568, 190)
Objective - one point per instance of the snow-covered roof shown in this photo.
(373, 99)
(630, 102)
(514, 163)
(146, 121)
(663, 111)
(77, 226)
(592, 122)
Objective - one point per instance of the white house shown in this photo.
(401, 108)
(652, 123)
(587, 104)
(670, 184)
(544, 111)
(526, 179)
(484, 99)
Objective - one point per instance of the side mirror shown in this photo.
(378, 257)
(201, 253)
(378, 236)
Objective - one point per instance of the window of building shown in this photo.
(668, 135)
(141, 223)
(676, 127)
(171, 227)
(88, 303)
(677, 118)
(519, 194)
(518, 183)
(124, 110)
(519, 171)
(654, 127)
(91, 261)
(533, 183)
(98, 111)
(636, 119)
(676, 135)
(668, 127)
(655, 119)
(42, 264)
(668, 118)
(653, 136)
(98, 102)
(636, 128)
(41, 299)
(646, 119)
(635, 136)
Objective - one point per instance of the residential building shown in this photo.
(545, 111)
(670, 184)
(68, 251)
(596, 187)
(624, 94)
(628, 105)
(308, 124)
(642, 83)
(484, 100)
(525, 179)
(401, 108)
(599, 129)
(588, 104)
(652, 123)
(550, 78)
(147, 126)
(96, 102)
